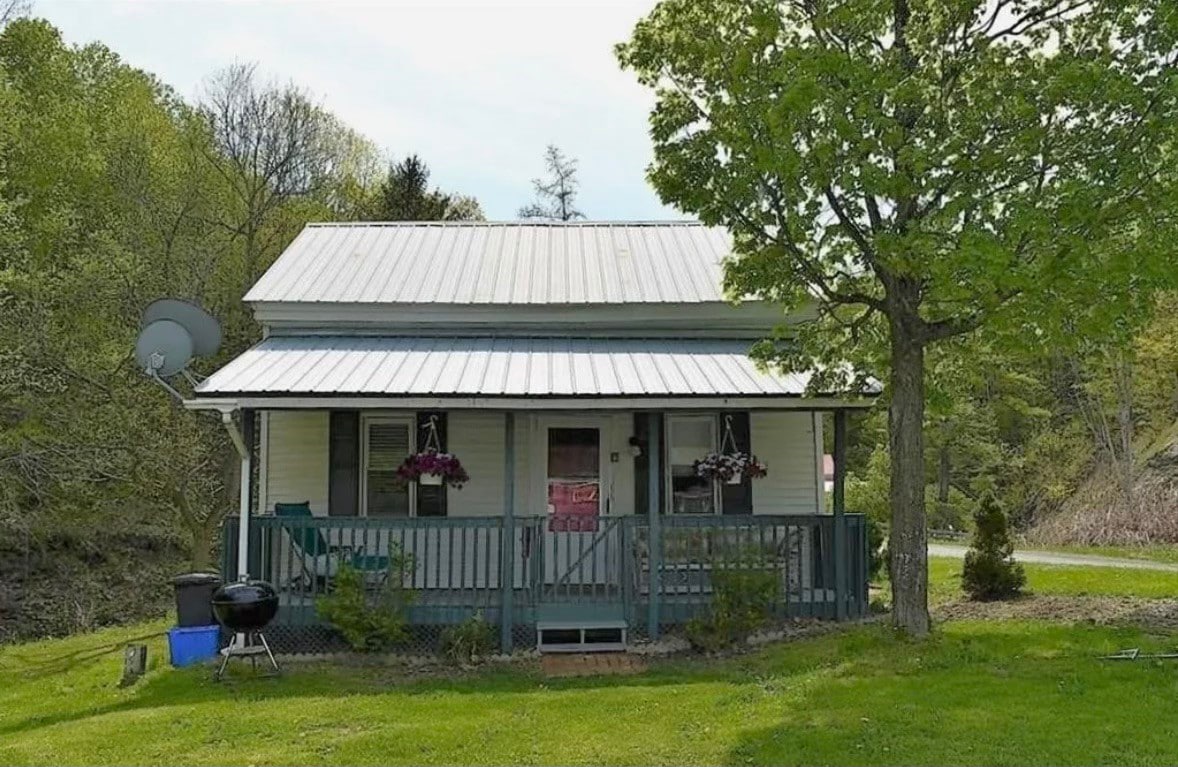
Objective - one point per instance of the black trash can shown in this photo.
(194, 599)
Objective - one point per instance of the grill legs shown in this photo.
(250, 645)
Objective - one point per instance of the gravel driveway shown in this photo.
(1058, 558)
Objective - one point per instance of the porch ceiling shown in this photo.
(494, 369)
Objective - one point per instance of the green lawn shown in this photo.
(1062, 580)
(977, 693)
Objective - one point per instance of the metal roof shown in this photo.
(499, 263)
(505, 367)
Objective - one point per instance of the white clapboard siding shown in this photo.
(785, 443)
(477, 439)
(296, 456)
(295, 453)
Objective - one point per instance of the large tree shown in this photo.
(270, 144)
(921, 169)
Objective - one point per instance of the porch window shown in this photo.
(689, 438)
(386, 442)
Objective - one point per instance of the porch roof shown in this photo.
(483, 371)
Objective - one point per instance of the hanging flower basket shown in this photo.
(430, 467)
(730, 467)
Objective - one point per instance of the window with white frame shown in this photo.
(386, 441)
(689, 438)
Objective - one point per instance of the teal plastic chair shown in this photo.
(320, 559)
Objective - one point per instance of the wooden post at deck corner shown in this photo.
(840, 522)
(655, 544)
(507, 547)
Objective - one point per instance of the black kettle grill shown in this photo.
(245, 608)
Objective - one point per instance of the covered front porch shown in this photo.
(611, 570)
(582, 509)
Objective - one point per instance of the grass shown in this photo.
(1061, 580)
(976, 693)
(1003, 692)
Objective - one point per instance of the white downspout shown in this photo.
(243, 525)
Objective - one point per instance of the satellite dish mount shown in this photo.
(171, 333)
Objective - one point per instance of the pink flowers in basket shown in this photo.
(431, 467)
(730, 467)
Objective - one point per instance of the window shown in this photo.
(689, 438)
(386, 443)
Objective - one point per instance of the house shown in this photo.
(577, 371)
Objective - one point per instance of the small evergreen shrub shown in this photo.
(990, 571)
(468, 641)
(370, 619)
(742, 602)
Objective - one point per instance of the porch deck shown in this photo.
(523, 570)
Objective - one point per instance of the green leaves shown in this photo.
(997, 168)
(113, 192)
(922, 171)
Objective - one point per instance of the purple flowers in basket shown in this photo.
(728, 467)
(431, 463)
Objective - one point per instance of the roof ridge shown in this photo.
(521, 223)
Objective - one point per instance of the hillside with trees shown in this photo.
(1081, 446)
(115, 191)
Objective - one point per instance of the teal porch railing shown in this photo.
(584, 567)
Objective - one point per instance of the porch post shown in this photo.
(243, 533)
(840, 522)
(654, 487)
(507, 566)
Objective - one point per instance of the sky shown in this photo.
(477, 88)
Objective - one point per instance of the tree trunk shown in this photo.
(202, 549)
(1124, 379)
(907, 540)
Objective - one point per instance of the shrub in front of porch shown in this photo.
(742, 602)
(468, 641)
(369, 619)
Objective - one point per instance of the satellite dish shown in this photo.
(202, 327)
(164, 348)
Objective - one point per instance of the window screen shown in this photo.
(387, 445)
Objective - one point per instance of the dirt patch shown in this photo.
(1120, 611)
(594, 664)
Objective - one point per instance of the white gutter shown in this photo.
(280, 401)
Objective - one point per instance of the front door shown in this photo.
(581, 548)
(573, 494)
